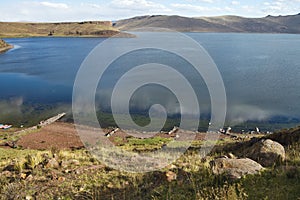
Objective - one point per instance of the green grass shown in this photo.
(90, 179)
(147, 144)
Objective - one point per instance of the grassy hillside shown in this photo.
(76, 29)
(75, 174)
(269, 24)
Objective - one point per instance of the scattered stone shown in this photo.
(29, 178)
(52, 163)
(61, 179)
(23, 176)
(266, 152)
(28, 197)
(171, 176)
(235, 168)
(67, 171)
(110, 185)
(230, 155)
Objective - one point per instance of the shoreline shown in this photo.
(5, 49)
(5, 46)
(117, 35)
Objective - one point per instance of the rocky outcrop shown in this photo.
(266, 152)
(4, 46)
(235, 168)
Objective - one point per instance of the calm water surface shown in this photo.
(260, 72)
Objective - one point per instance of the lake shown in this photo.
(260, 72)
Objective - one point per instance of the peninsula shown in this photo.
(4, 46)
(61, 29)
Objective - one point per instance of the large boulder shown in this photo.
(266, 152)
(235, 168)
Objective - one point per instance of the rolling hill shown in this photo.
(269, 24)
(70, 29)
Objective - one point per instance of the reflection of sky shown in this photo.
(261, 72)
(53, 59)
(32, 89)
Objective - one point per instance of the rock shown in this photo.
(266, 152)
(66, 171)
(28, 197)
(235, 168)
(230, 155)
(29, 178)
(52, 163)
(171, 176)
(61, 179)
(23, 176)
(110, 185)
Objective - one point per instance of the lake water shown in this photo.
(260, 72)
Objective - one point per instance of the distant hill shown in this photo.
(269, 24)
(72, 29)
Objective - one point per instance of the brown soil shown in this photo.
(57, 135)
(64, 136)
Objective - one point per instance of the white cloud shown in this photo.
(141, 5)
(59, 10)
(194, 8)
(208, 1)
(54, 5)
(235, 3)
(200, 1)
(282, 7)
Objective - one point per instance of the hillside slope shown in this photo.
(72, 29)
(269, 24)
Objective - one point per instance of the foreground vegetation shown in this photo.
(75, 174)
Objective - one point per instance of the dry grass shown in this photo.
(15, 29)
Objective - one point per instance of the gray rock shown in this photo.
(235, 168)
(266, 152)
(52, 163)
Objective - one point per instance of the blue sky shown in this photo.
(75, 10)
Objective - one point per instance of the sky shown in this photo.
(75, 10)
